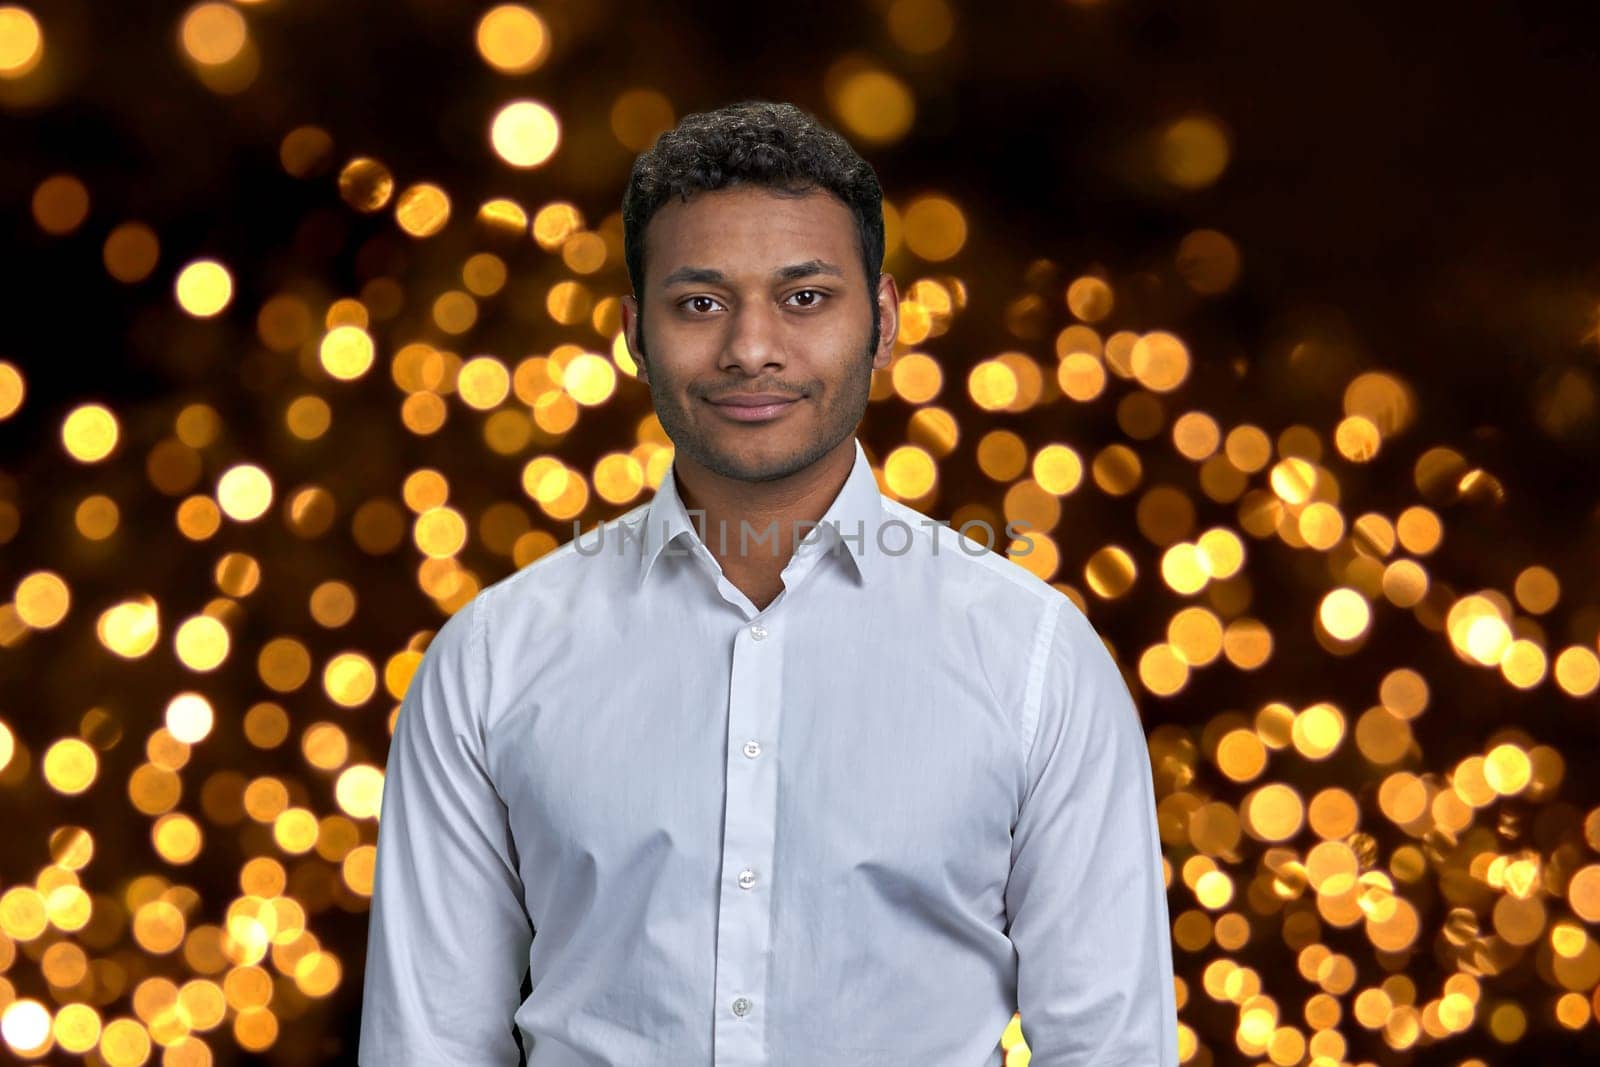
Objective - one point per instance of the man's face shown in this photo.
(748, 292)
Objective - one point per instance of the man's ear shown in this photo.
(886, 306)
(630, 333)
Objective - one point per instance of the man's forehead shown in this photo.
(740, 229)
(706, 215)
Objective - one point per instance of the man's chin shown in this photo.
(756, 462)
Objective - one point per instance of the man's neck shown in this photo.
(772, 511)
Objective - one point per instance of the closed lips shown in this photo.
(753, 400)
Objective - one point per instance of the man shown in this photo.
(732, 787)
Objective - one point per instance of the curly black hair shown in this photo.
(754, 142)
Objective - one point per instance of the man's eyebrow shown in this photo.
(712, 276)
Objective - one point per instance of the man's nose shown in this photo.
(755, 338)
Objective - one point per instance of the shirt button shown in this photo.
(758, 631)
(742, 1006)
(747, 878)
(752, 749)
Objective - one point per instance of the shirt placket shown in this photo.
(744, 909)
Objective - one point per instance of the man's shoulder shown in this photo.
(977, 556)
(608, 548)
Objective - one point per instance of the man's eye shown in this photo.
(817, 296)
(694, 300)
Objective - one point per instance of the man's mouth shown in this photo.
(753, 407)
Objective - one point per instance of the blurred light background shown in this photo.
(1276, 323)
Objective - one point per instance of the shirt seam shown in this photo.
(478, 633)
(1033, 700)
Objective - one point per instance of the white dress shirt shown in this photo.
(861, 826)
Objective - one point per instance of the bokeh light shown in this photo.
(204, 288)
(21, 41)
(525, 133)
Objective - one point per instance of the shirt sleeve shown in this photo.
(448, 936)
(1086, 903)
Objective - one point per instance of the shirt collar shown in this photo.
(853, 518)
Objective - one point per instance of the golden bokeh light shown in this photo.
(1090, 298)
(920, 26)
(589, 379)
(554, 223)
(872, 103)
(525, 133)
(347, 352)
(349, 679)
(422, 210)
(41, 600)
(189, 717)
(1192, 151)
(1057, 469)
(131, 252)
(917, 377)
(130, 628)
(935, 228)
(201, 643)
(305, 151)
(204, 288)
(1160, 361)
(26, 1026)
(13, 388)
(21, 41)
(639, 116)
(90, 433)
(1345, 614)
(244, 492)
(213, 33)
(1208, 261)
(993, 385)
(360, 790)
(366, 184)
(70, 766)
(910, 472)
(60, 204)
(513, 39)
